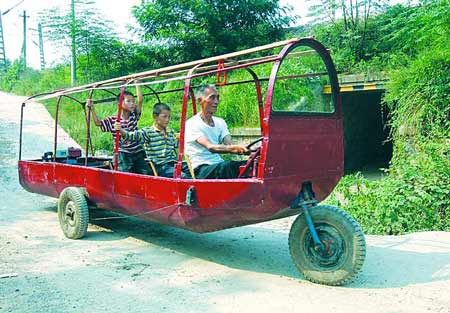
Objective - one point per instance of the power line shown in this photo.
(14, 6)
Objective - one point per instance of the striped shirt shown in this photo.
(159, 147)
(130, 124)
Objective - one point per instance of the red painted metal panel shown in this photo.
(310, 146)
(154, 198)
(37, 177)
(217, 204)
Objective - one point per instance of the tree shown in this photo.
(416, 28)
(192, 29)
(349, 21)
(96, 42)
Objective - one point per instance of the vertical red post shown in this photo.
(88, 129)
(119, 115)
(221, 66)
(187, 90)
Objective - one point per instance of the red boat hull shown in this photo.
(217, 204)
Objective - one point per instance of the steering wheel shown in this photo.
(251, 159)
(254, 142)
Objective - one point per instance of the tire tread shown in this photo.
(360, 241)
(76, 195)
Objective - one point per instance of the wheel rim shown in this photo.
(69, 214)
(332, 256)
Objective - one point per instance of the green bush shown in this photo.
(11, 77)
(415, 196)
(419, 96)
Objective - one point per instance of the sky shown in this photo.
(119, 12)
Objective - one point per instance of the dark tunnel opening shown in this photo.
(366, 133)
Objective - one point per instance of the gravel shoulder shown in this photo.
(129, 265)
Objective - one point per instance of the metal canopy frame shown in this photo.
(218, 65)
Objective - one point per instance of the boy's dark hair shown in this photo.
(160, 106)
(125, 93)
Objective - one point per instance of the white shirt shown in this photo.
(196, 128)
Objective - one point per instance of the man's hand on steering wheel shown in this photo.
(251, 160)
(239, 149)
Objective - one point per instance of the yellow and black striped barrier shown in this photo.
(356, 87)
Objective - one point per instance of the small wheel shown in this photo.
(344, 246)
(73, 213)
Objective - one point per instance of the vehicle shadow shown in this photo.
(390, 262)
(256, 249)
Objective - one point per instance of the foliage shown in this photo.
(187, 30)
(89, 28)
(12, 76)
(347, 27)
(419, 96)
(415, 196)
(411, 30)
(100, 53)
(34, 81)
(371, 35)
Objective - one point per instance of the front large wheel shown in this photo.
(73, 213)
(344, 246)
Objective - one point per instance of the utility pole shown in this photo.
(41, 46)
(2, 41)
(24, 47)
(73, 67)
(2, 47)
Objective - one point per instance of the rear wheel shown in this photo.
(344, 246)
(73, 213)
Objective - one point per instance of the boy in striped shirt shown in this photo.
(131, 153)
(160, 141)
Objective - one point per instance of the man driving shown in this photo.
(207, 136)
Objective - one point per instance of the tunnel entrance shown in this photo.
(366, 147)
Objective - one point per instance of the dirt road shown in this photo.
(127, 265)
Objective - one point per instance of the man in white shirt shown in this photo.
(206, 136)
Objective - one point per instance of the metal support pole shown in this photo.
(2, 47)
(317, 243)
(24, 47)
(21, 130)
(55, 139)
(73, 63)
(117, 140)
(41, 46)
(305, 200)
(88, 129)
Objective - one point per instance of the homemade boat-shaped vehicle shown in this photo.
(298, 161)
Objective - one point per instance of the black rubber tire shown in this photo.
(345, 246)
(73, 213)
